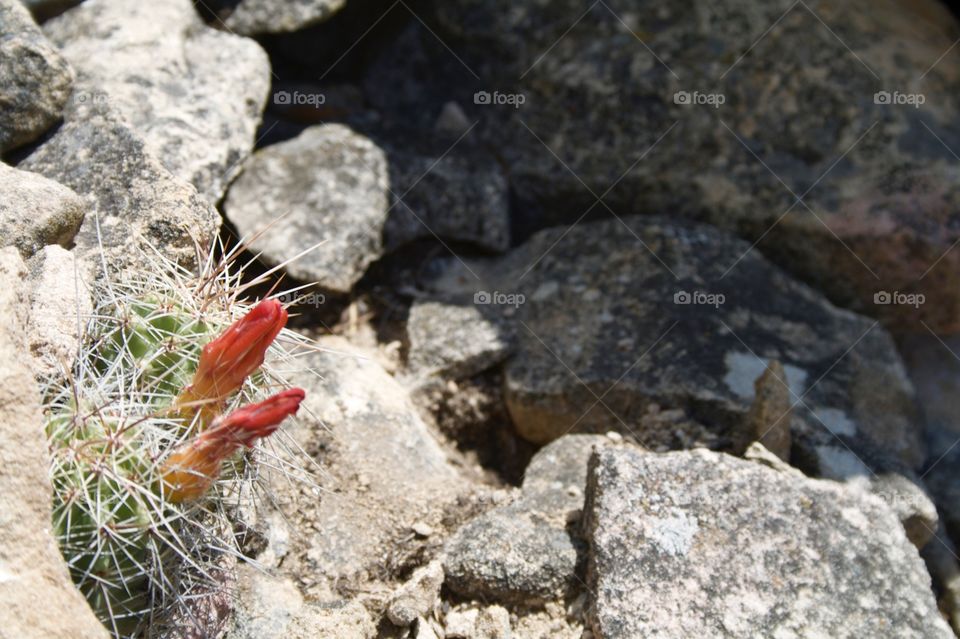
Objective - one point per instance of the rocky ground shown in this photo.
(633, 319)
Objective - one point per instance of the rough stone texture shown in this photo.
(447, 341)
(599, 86)
(383, 473)
(943, 478)
(523, 552)
(328, 184)
(768, 420)
(600, 321)
(700, 543)
(459, 196)
(37, 598)
(60, 306)
(899, 488)
(137, 203)
(194, 94)
(35, 80)
(35, 211)
(418, 597)
(271, 607)
(279, 16)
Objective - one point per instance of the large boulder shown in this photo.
(703, 544)
(35, 80)
(679, 108)
(37, 597)
(324, 190)
(135, 206)
(193, 93)
(636, 325)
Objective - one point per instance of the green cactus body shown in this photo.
(111, 423)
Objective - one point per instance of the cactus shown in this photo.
(143, 434)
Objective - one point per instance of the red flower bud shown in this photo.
(227, 361)
(190, 471)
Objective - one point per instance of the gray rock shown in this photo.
(620, 320)
(271, 607)
(35, 211)
(60, 306)
(703, 544)
(449, 341)
(134, 204)
(523, 552)
(383, 472)
(459, 196)
(943, 478)
(327, 185)
(418, 597)
(37, 598)
(602, 84)
(899, 488)
(934, 368)
(252, 17)
(35, 80)
(194, 94)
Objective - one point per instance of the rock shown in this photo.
(271, 607)
(37, 598)
(35, 80)
(447, 341)
(252, 17)
(417, 597)
(459, 195)
(327, 185)
(943, 478)
(768, 420)
(664, 330)
(383, 472)
(699, 543)
(60, 306)
(425, 630)
(899, 488)
(757, 453)
(934, 367)
(941, 559)
(134, 205)
(493, 622)
(35, 211)
(635, 101)
(194, 94)
(522, 552)
(461, 623)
